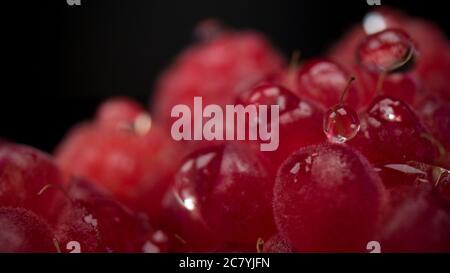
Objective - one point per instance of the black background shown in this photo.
(61, 61)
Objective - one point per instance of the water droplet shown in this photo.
(341, 123)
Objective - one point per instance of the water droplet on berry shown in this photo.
(341, 123)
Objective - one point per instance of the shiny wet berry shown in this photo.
(386, 51)
(319, 195)
(228, 188)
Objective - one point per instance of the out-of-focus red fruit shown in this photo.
(344, 50)
(404, 86)
(323, 81)
(24, 172)
(134, 165)
(433, 66)
(299, 120)
(216, 70)
(230, 189)
(436, 115)
(327, 198)
(386, 51)
(123, 114)
(23, 231)
(392, 133)
(277, 244)
(433, 62)
(417, 221)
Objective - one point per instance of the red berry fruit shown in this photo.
(322, 81)
(433, 64)
(327, 198)
(436, 115)
(135, 164)
(417, 221)
(404, 86)
(392, 133)
(24, 173)
(299, 120)
(23, 231)
(189, 229)
(386, 51)
(75, 228)
(216, 70)
(123, 113)
(231, 190)
(119, 228)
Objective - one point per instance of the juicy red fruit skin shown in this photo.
(323, 81)
(386, 50)
(404, 86)
(231, 189)
(433, 62)
(436, 116)
(23, 231)
(417, 221)
(118, 113)
(277, 244)
(24, 172)
(327, 198)
(299, 119)
(391, 132)
(191, 234)
(119, 228)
